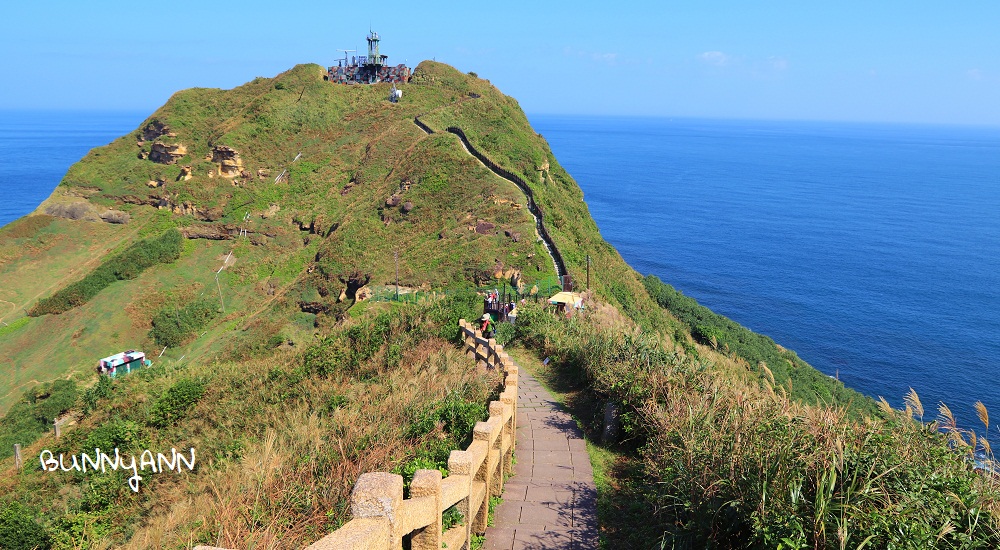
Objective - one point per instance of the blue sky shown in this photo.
(916, 61)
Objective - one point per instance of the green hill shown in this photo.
(234, 236)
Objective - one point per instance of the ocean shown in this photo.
(37, 147)
(871, 250)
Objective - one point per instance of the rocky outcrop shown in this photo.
(156, 129)
(485, 228)
(164, 153)
(185, 174)
(73, 211)
(115, 216)
(270, 212)
(314, 307)
(229, 161)
(183, 208)
(159, 182)
(355, 281)
(393, 201)
(211, 232)
(407, 207)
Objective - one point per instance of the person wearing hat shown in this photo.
(487, 328)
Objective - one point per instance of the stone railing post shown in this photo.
(379, 495)
(509, 429)
(460, 463)
(485, 474)
(496, 448)
(427, 483)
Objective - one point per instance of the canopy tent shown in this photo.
(567, 299)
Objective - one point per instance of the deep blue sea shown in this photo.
(871, 250)
(36, 149)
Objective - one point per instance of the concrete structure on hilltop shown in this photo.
(367, 69)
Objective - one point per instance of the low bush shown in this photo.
(29, 418)
(19, 531)
(175, 402)
(174, 326)
(117, 433)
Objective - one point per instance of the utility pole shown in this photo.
(396, 255)
(588, 271)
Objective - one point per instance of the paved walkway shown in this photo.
(551, 502)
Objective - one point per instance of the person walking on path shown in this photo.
(488, 329)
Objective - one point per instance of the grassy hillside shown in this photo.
(292, 196)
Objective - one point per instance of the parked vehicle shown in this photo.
(122, 362)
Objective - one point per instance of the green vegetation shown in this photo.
(19, 531)
(174, 326)
(33, 415)
(176, 401)
(712, 461)
(13, 326)
(126, 265)
(730, 441)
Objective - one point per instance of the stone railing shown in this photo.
(383, 518)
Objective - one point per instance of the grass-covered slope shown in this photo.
(361, 184)
(291, 194)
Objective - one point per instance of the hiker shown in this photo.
(512, 314)
(487, 328)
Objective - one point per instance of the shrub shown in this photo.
(33, 415)
(115, 433)
(176, 401)
(100, 390)
(19, 531)
(454, 414)
(174, 326)
(505, 333)
(59, 397)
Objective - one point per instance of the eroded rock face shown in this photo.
(185, 174)
(166, 153)
(154, 130)
(229, 161)
(73, 211)
(392, 201)
(115, 216)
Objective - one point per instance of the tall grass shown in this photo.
(280, 441)
(724, 461)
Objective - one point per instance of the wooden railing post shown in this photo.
(460, 463)
(379, 495)
(427, 483)
(17, 456)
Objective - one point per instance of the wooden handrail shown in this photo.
(382, 517)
